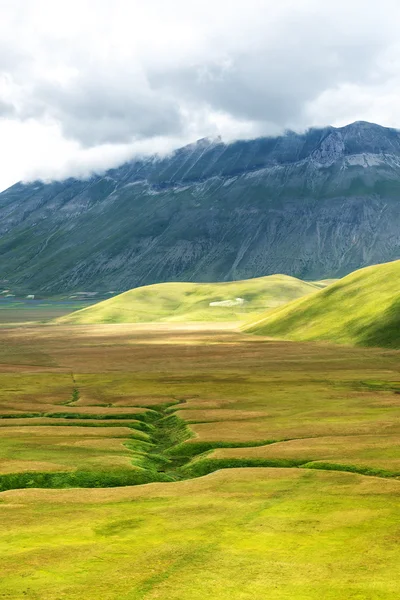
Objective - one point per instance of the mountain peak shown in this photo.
(365, 127)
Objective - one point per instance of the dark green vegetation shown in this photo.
(191, 301)
(271, 468)
(320, 204)
(362, 308)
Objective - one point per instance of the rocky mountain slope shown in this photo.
(312, 205)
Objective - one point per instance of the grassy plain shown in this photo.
(362, 308)
(107, 406)
(244, 534)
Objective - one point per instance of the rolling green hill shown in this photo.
(191, 301)
(362, 308)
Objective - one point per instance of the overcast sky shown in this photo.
(86, 84)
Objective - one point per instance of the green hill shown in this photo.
(362, 308)
(191, 301)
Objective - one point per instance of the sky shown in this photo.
(88, 84)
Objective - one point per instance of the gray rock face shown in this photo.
(330, 150)
(315, 205)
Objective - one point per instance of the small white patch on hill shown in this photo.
(235, 302)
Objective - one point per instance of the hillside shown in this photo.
(362, 309)
(314, 205)
(191, 301)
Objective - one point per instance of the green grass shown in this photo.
(239, 534)
(190, 301)
(362, 309)
(269, 468)
(78, 479)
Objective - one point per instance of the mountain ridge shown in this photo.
(313, 205)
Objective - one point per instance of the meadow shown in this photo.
(196, 461)
(362, 309)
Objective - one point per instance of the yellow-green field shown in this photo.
(267, 469)
(241, 534)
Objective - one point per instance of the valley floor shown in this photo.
(191, 462)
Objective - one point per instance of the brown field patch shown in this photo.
(9, 465)
(57, 422)
(198, 416)
(246, 431)
(68, 432)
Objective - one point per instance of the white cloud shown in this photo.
(85, 85)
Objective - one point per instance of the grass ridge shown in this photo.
(165, 456)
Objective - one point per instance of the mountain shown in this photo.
(195, 301)
(362, 308)
(313, 205)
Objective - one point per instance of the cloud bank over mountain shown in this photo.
(85, 85)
